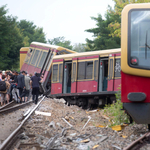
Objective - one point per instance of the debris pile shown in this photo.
(58, 126)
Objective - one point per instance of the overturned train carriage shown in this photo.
(39, 59)
(86, 78)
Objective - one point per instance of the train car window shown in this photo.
(89, 70)
(31, 56)
(55, 73)
(28, 56)
(27, 59)
(74, 72)
(110, 69)
(34, 59)
(60, 72)
(81, 70)
(85, 70)
(96, 70)
(117, 69)
(42, 59)
(38, 59)
(139, 38)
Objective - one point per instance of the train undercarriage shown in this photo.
(87, 100)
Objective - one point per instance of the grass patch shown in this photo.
(114, 112)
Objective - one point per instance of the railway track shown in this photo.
(140, 143)
(17, 118)
(36, 133)
(12, 106)
(12, 103)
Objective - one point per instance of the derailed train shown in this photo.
(39, 59)
(80, 78)
(93, 77)
(86, 78)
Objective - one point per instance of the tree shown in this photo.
(102, 39)
(60, 41)
(13, 36)
(108, 32)
(11, 40)
(31, 32)
(79, 47)
(115, 25)
(39, 35)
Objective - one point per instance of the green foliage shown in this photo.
(102, 39)
(11, 40)
(39, 35)
(13, 36)
(60, 41)
(79, 47)
(31, 32)
(115, 25)
(107, 33)
(114, 112)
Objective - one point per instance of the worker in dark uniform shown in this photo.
(21, 84)
(35, 86)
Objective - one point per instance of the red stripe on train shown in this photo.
(23, 52)
(86, 57)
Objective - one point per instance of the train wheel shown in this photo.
(79, 102)
(84, 104)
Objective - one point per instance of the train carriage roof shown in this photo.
(44, 45)
(24, 48)
(101, 53)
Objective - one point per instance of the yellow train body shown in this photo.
(23, 53)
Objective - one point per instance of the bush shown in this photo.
(114, 112)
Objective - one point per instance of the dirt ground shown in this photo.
(71, 127)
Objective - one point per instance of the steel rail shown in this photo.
(10, 109)
(7, 105)
(136, 141)
(6, 144)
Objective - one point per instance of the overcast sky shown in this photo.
(68, 18)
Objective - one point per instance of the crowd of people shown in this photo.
(19, 87)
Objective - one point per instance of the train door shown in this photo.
(111, 74)
(74, 76)
(57, 76)
(117, 72)
(67, 77)
(103, 75)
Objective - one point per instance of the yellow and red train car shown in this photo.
(135, 61)
(87, 78)
(39, 59)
